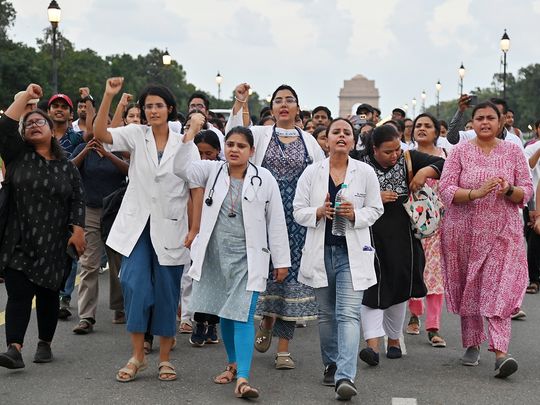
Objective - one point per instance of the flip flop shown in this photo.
(226, 377)
(250, 392)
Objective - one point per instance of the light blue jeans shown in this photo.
(339, 314)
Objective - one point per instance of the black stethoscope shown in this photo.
(210, 199)
(307, 158)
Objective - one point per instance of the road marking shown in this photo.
(404, 401)
(3, 313)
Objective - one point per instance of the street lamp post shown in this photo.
(167, 59)
(461, 72)
(438, 87)
(54, 13)
(423, 95)
(219, 80)
(505, 47)
(414, 107)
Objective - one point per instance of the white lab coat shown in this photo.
(153, 192)
(364, 192)
(263, 135)
(262, 210)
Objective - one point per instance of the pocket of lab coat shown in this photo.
(172, 239)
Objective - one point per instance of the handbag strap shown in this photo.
(408, 165)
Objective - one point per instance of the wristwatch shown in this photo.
(88, 98)
(510, 191)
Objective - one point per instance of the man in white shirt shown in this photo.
(532, 152)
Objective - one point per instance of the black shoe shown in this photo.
(43, 353)
(369, 356)
(198, 336)
(329, 374)
(345, 389)
(505, 366)
(211, 334)
(64, 312)
(393, 352)
(11, 359)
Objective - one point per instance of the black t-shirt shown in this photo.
(329, 238)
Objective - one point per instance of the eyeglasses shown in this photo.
(36, 123)
(197, 106)
(286, 100)
(157, 106)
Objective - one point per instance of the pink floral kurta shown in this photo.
(483, 249)
(432, 251)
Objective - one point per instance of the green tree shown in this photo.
(7, 18)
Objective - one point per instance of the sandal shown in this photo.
(244, 390)
(168, 371)
(185, 328)
(228, 376)
(263, 339)
(413, 328)
(147, 347)
(533, 288)
(130, 372)
(435, 339)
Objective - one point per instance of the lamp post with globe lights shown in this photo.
(54, 13)
(505, 47)
(219, 80)
(461, 72)
(438, 87)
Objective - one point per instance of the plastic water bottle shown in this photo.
(339, 223)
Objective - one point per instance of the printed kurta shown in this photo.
(484, 259)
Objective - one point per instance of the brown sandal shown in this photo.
(226, 377)
(166, 371)
(533, 288)
(244, 390)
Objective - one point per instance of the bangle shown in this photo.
(245, 112)
(470, 198)
(240, 101)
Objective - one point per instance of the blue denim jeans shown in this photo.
(339, 314)
(70, 282)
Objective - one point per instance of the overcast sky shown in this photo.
(313, 45)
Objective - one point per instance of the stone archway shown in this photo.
(356, 91)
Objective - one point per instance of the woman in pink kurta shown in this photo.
(484, 182)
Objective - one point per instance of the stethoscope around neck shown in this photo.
(210, 199)
(307, 158)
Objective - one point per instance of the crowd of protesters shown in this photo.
(210, 220)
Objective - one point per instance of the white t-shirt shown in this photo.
(529, 151)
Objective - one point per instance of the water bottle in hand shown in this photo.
(339, 223)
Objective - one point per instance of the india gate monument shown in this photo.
(356, 91)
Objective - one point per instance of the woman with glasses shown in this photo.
(285, 150)
(45, 219)
(152, 223)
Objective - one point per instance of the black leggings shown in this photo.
(202, 317)
(20, 292)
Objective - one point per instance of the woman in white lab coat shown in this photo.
(242, 227)
(339, 268)
(151, 226)
(285, 150)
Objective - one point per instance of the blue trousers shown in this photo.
(339, 314)
(239, 338)
(151, 291)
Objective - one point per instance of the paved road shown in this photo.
(84, 369)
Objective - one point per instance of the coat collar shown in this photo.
(170, 148)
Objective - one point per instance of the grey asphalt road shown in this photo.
(84, 368)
